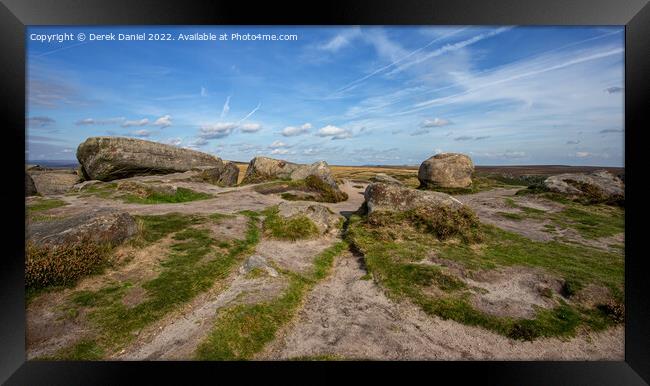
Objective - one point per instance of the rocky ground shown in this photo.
(344, 315)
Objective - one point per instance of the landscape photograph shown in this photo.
(325, 193)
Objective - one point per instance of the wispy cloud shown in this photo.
(252, 112)
(137, 122)
(164, 121)
(394, 63)
(436, 122)
(141, 133)
(39, 121)
(226, 108)
(614, 90)
(450, 48)
(107, 121)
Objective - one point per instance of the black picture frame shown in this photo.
(16, 14)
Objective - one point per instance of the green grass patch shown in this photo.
(243, 330)
(393, 263)
(44, 204)
(511, 216)
(154, 228)
(283, 228)
(592, 222)
(185, 273)
(102, 189)
(219, 217)
(155, 197)
(84, 350)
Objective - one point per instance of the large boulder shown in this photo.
(382, 197)
(446, 170)
(318, 169)
(262, 169)
(224, 175)
(50, 182)
(30, 188)
(325, 220)
(97, 225)
(599, 183)
(110, 158)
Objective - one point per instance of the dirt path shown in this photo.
(178, 335)
(349, 317)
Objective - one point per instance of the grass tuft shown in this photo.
(155, 197)
(292, 228)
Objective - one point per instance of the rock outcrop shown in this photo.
(30, 187)
(599, 183)
(110, 158)
(385, 178)
(224, 175)
(446, 170)
(394, 198)
(325, 220)
(98, 225)
(50, 182)
(262, 169)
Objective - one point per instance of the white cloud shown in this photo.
(279, 151)
(334, 132)
(164, 121)
(291, 131)
(141, 133)
(341, 40)
(217, 130)
(436, 122)
(173, 141)
(277, 144)
(198, 142)
(583, 154)
(139, 122)
(250, 127)
(226, 108)
(91, 121)
(39, 121)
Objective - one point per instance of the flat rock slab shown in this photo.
(98, 225)
(110, 158)
(53, 182)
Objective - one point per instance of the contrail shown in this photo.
(537, 55)
(59, 49)
(226, 108)
(425, 105)
(351, 84)
(251, 113)
(454, 47)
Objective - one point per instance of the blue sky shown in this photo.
(348, 95)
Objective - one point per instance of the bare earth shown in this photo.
(349, 317)
(344, 315)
